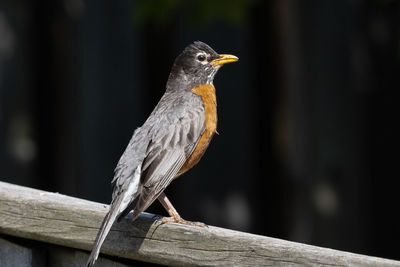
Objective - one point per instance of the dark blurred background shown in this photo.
(307, 149)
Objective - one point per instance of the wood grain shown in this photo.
(72, 222)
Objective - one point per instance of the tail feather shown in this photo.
(127, 194)
(101, 236)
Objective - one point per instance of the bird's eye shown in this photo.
(201, 57)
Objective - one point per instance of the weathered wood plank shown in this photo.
(72, 222)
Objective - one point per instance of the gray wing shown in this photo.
(171, 144)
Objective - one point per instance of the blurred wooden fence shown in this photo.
(40, 228)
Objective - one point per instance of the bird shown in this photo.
(170, 142)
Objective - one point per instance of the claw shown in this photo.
(180, 221)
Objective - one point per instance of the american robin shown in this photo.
(170, 142)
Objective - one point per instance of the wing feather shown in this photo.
(167, 152)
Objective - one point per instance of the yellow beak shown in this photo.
(223, 59)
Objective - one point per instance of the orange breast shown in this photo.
(207, 93)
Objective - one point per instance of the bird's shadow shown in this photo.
(129, 236)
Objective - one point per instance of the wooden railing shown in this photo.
(71, 222)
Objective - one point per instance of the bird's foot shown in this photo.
(175, 217)
(181, 221)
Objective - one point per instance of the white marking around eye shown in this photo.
(204, 62)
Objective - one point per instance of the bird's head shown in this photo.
(198, 64)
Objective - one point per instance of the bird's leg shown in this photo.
(175, 217)
(169, 207)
